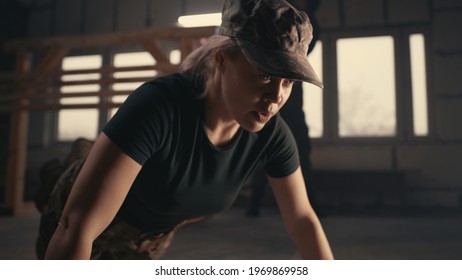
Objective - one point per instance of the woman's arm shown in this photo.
(299, 218)
(97, 194)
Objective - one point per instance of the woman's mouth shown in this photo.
(263, 116)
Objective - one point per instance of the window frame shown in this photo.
(403, 86)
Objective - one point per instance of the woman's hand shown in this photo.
(299, 218)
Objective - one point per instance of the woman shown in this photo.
(181, 146)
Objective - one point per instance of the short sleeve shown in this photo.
(141, 124)
(282, 153)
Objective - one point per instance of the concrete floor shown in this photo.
(232, 235)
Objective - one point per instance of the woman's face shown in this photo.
(250, 96)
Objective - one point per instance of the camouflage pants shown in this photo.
(118, 241)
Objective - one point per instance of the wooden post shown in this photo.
(17, 147)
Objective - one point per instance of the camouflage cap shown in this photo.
(273, 35)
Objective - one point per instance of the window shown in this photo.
(419, 86)
(313, 95)
(131, 59)
(74, 123)
(366, 87)
(175, 57)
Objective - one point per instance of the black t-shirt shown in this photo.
(183, 175)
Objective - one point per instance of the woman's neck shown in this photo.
(220, 126)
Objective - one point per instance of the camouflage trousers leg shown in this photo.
(123, 241)
(118, 241)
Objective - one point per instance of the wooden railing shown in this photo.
(35, 84)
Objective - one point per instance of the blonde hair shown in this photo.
(201, 62)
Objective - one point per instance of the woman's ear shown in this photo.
(220, 59)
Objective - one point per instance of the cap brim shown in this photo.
(279, 63)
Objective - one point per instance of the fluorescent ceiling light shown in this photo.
(200, 20)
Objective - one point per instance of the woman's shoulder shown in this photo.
(165, 91)
(177, 85)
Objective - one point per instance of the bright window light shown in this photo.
(419, 87)
(82, 62)
(312, 96)
(213, 19)
(175, 57)
(366, 84)
(75, 123)
(131, 59)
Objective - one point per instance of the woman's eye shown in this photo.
(266, 78)
(290, 81)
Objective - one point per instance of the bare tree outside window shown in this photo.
(366, 87)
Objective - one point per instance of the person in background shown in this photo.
(181, 146)
(294, 116)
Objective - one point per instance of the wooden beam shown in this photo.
(110, 39)
(153, 48)
(27, 77)
(57, 107)
(57, 96)
(186, 47)
(52, 58)
(112, 69)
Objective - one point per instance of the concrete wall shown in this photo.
(434, 163)
(64, 17)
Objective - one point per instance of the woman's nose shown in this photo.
(275, 93)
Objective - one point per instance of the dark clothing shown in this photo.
(161, 126)
(183, 176)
